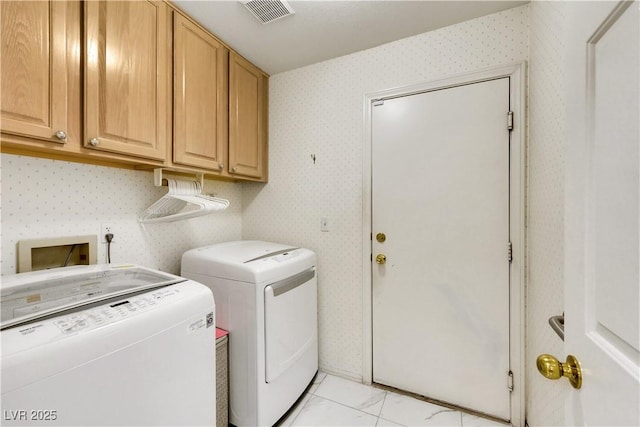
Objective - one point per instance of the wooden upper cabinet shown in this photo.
(127, 69)
(35, 69)
(248, 97)
(200, 101)
(137, 82)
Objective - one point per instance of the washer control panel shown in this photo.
(111, 313)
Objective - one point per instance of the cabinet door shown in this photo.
(248, 88)
(34, 69)
(200, 133)
(126, 77)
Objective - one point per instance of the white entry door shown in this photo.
(440, 195)
(601, 207)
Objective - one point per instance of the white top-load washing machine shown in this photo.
(266, 297)
(107, 345)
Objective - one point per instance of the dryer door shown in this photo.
(291, 321)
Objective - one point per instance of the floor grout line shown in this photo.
(345, 405)
(384, 400)
(378, 415)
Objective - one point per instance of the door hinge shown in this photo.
(510, 252)
(510, 381)
(377, 102)
(510, 120)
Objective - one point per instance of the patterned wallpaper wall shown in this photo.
(318, 110)
(547, 135)
(47, 198)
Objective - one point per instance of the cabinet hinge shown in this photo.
(510, 381)
(510, 120)
(510, 252)
(377, 102)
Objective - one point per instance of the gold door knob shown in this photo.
(553, 369)
(381, 258)
(380, 237)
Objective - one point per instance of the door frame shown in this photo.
(516, 72)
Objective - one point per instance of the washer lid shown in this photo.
(29, 296)
(251, 261)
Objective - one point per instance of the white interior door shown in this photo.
(440, 194)
(601, 208)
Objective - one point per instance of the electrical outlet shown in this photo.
(106, 228)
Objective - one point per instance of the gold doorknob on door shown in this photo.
(553, 369)
(380, 237)
(381, 258)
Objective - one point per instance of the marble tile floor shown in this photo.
(334, 401)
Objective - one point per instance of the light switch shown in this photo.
(324, 224)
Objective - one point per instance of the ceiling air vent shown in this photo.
(268, 10)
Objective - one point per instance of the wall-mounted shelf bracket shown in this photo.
(158, 179)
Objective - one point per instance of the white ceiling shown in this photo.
(322, 30)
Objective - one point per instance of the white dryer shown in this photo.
(266, 297)
(107, 345)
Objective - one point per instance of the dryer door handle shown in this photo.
(290, 283)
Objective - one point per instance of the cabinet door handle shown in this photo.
(61, 135)
(234, 169)
(94, 142)
(221, 166)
